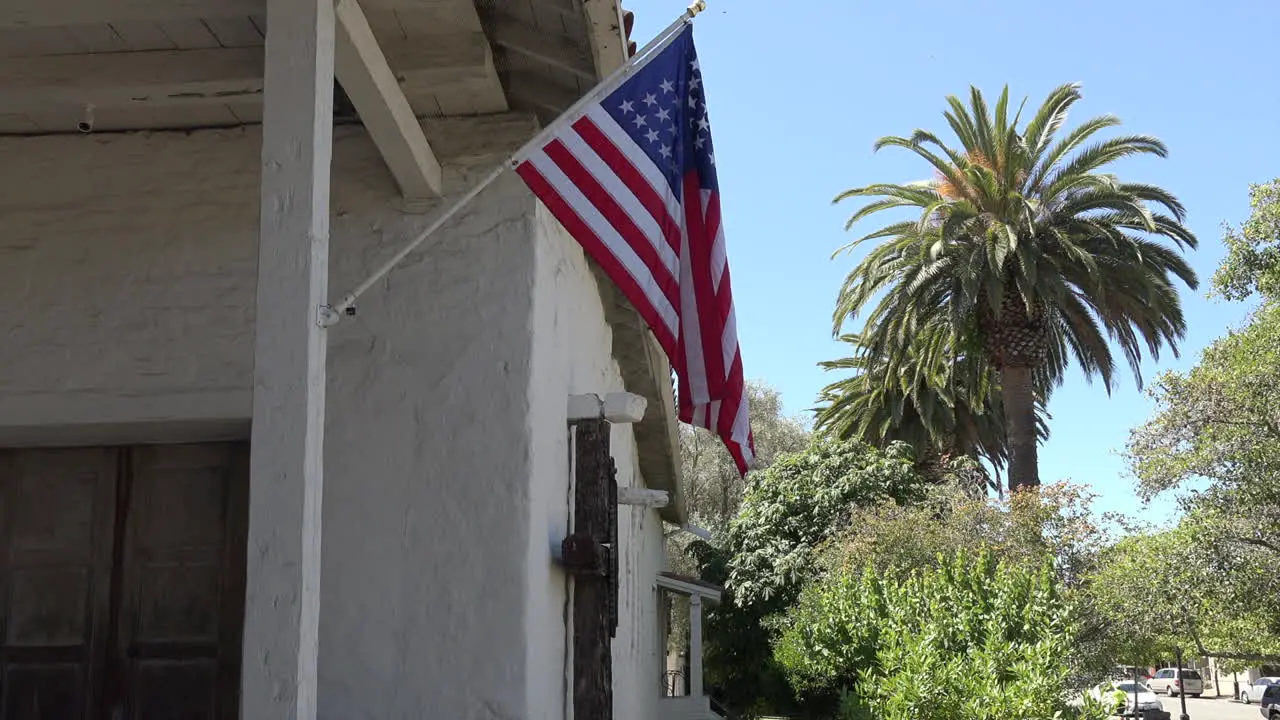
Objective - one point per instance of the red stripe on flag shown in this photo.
(724, 297)
(735, 451)
(617, 217)
(637, 183)
(597, 251)
(710, 326)
(733, 392)
(684, 398)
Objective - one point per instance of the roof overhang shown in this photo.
(69, 66)
(690, 586)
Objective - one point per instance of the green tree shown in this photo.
(792, 509)
(1217, 429)
(1252, 264)
(1167, 589)
(789, 512)
(944, 404)
(712, 484)
(1215, 439)
(713, 491)
(967, 637)
(1057, 523)
(1025, 248)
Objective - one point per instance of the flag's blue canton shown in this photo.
(663, 108)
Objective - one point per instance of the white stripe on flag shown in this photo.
(651, 173)
(622, 195)
(616, 245)
(729, 340)
(718, 254)
(742, 424)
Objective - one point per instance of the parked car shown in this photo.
(1253, 693)
(1269, 705)
(1120, 672)
(1118, 698)
(1172, 683)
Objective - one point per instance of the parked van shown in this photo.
(1174, 683)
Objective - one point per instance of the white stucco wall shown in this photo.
(127, 275)
(572, 353)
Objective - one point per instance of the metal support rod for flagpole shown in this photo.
(329, 315)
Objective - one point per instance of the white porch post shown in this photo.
(282, 602)
(695, 646)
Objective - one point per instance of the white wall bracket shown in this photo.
(618, 408)
(643, 497)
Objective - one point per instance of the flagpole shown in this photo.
(330, 315)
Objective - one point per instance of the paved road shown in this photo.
(1209, 708)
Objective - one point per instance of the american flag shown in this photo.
(633, 178)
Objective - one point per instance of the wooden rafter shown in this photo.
(366, 77)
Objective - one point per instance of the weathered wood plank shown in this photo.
(541, 45)
(594, 604)
(144, 35)
(368, 81)
(19, 13)
(215, 75)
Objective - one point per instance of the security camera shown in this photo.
(86, 123)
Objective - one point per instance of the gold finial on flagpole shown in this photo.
(697, 7)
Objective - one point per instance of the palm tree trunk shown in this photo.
(1018, 394)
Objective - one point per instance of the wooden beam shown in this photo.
(607, 32)
(21, 13)
(558, 52)
(36, 13)
(536, 93)
(369, 82)
(217, 75)
(594, 594)
(643, 497)
(220, 74)
(564, 7)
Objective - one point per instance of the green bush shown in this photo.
(968, 639)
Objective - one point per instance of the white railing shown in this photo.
(688, 707)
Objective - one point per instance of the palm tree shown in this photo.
(943, 403)
(1024, 248)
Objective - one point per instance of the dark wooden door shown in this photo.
(180, 569)
(56, 528)
(122, 575)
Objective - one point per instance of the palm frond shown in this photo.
(1026, 250)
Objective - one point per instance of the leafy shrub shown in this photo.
(800, 502)
(969, 638)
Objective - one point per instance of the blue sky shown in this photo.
(799, 91)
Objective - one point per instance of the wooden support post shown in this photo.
(282, 603)
(695, 646)
(592, 550)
